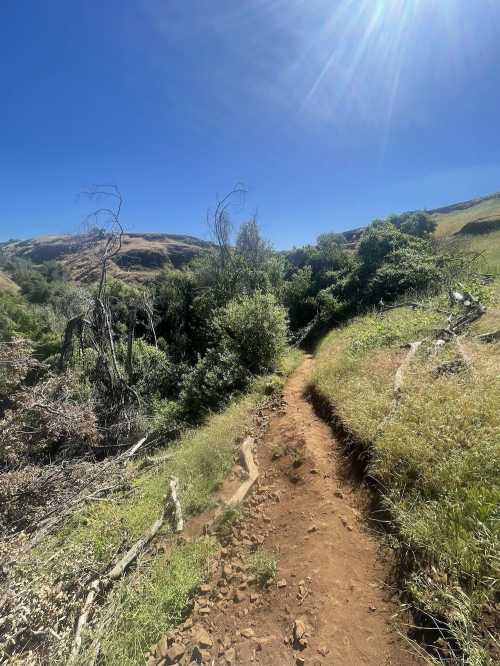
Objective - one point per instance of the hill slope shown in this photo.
(468, 217)
(141, 255)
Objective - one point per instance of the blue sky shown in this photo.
(331, 112)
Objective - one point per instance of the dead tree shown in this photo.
(94, 328)
(221, 228)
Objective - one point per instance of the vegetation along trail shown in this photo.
(329, 602)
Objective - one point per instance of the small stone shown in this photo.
(227, 571)
(314, 471)
(205, 589)
(300, 661)
(239, 596)
(299, 629)
(313, 528)
(339, 494)
(254, 597)
(206, 610)
(175, 653)
(188, 623)
(248, 632)
(230, 656)
(323, 651)
(282, 583)
(201, 638)
(162, 647)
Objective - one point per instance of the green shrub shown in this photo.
(264, 565)
(167, 419)
(256, 329)
(214, 380)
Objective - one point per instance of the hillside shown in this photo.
(6, 284)
(141, 255)
(480, 215)
(179, 485)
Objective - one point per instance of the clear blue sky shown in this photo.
(331, 112)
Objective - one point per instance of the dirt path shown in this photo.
(331, 579)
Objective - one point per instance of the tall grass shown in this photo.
(435, 455)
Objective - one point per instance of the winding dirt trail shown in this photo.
(332, 578)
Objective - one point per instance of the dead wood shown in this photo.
(400, 372)
(466, 357)
(493, 336)
(133, 450)
(132, 553)
(251, 469)
(116, 572)
(179, 522)
(82, 620)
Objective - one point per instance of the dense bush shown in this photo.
(212, 382)
(256, 330)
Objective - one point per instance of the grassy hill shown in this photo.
(473, 226)
(140, 257)
(453, 219)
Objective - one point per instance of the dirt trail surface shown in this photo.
(329, 604)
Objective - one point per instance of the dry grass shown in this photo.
(450, 223)
(435, 454)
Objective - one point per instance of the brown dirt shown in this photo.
(332, 573)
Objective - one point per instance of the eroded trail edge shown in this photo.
(330, 602)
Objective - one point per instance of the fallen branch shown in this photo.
(250, 467)
(179, 522)
(83, 619)
(134, 551)
(133, 449)
(400, 372)
(463, 352)
(120, 567)
(493, 336)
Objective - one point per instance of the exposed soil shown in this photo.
(330, 603)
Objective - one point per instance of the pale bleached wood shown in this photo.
(248, 463)
(179, 522)
(400, 372)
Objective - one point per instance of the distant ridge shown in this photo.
(141, 255)
(464, 205)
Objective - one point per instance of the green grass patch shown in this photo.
(264, 565)
(157, 604)
(436, 456)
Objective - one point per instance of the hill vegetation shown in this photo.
(110, 386)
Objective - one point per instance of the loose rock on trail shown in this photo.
(330, 603)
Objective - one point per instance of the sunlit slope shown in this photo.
(433, 449)
(452, 219)
(6, 284)
(473, 226)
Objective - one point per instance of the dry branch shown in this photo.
(134, 551)
(133, 450)
(83, 619)
(250, 467)
(179, 522)
(121, 566)
(463, 352)
(493, 336)
(400, 372)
